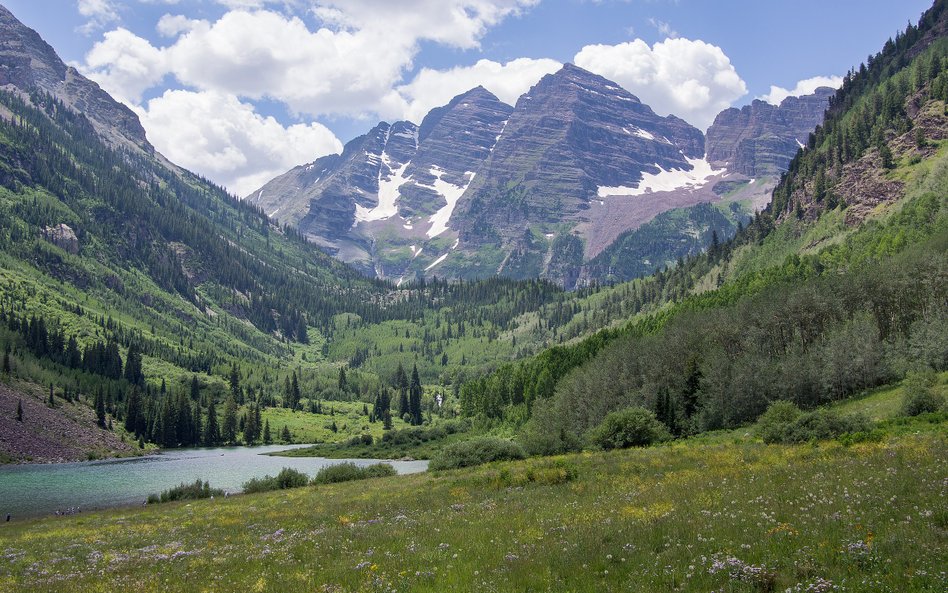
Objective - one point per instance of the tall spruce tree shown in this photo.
(99, 408)
(229, 426)
(414, 399)
(212, 434)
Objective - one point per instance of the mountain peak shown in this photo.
(478, 97)
(27, 63)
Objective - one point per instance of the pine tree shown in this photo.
(52, 399)
(229, 426)
(19, 410)
(235, 390)
(6, 361)
(132, 410)
(293, 394)
(343, 384)
(267, 437)
(197, 430)
(414, 401)
(252, 426)
(212, 435)
(195, 388)
(99, 408)
(285, 435)
(387, 420)
(133, 366)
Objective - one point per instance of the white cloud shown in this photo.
(350, 66)
(174, 25)
(691, 79)
(224, 139)
(457, 23)
(804, 87)
(125, 65)
(432, 88)
(98, 12)
(663, 28)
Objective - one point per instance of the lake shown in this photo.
(41, 489)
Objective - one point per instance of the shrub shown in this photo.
(193, 491)
(476, 452)
(920, 395)
(345, 472)
(631, 427)
(773, 424)
(876, 435)
(287, 478)
(817, 425)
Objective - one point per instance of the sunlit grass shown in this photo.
(686, 516)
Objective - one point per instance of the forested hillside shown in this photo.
(839, 286)
(148, 294)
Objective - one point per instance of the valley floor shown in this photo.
(721, 513)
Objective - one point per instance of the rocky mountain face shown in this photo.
(759, 139)
(393, 191)
(28, 63)
(540, 189)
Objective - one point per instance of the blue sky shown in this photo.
(241, 90)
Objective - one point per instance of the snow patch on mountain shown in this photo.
(451, 194)
(699, 174)
(437, 261)
(387, 206)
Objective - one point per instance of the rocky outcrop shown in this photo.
(63, 237)
(760, 139)
(28, 63)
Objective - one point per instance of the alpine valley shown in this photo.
(614, 352)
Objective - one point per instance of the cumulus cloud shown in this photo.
(99, 13)
(350, 66)
(432, 88)
(224, 139)
(340, 69)
(125, 65)
(692, 79)
(804, 87)
(457, 23)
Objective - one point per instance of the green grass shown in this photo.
(869, 517)
(883, 403)
(315, 428)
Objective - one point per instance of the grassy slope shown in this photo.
(641, 520)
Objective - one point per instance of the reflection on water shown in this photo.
(41, 489)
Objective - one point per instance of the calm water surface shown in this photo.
(42, 489)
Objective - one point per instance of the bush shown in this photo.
(194, 491)
(783, 426)
(773, 424)
(920, 394)
(418, 434)
(476, 452)
(346, 472)
(631, 427)
(287, 478)
(876, 435)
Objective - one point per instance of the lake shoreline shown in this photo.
(41, 489)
